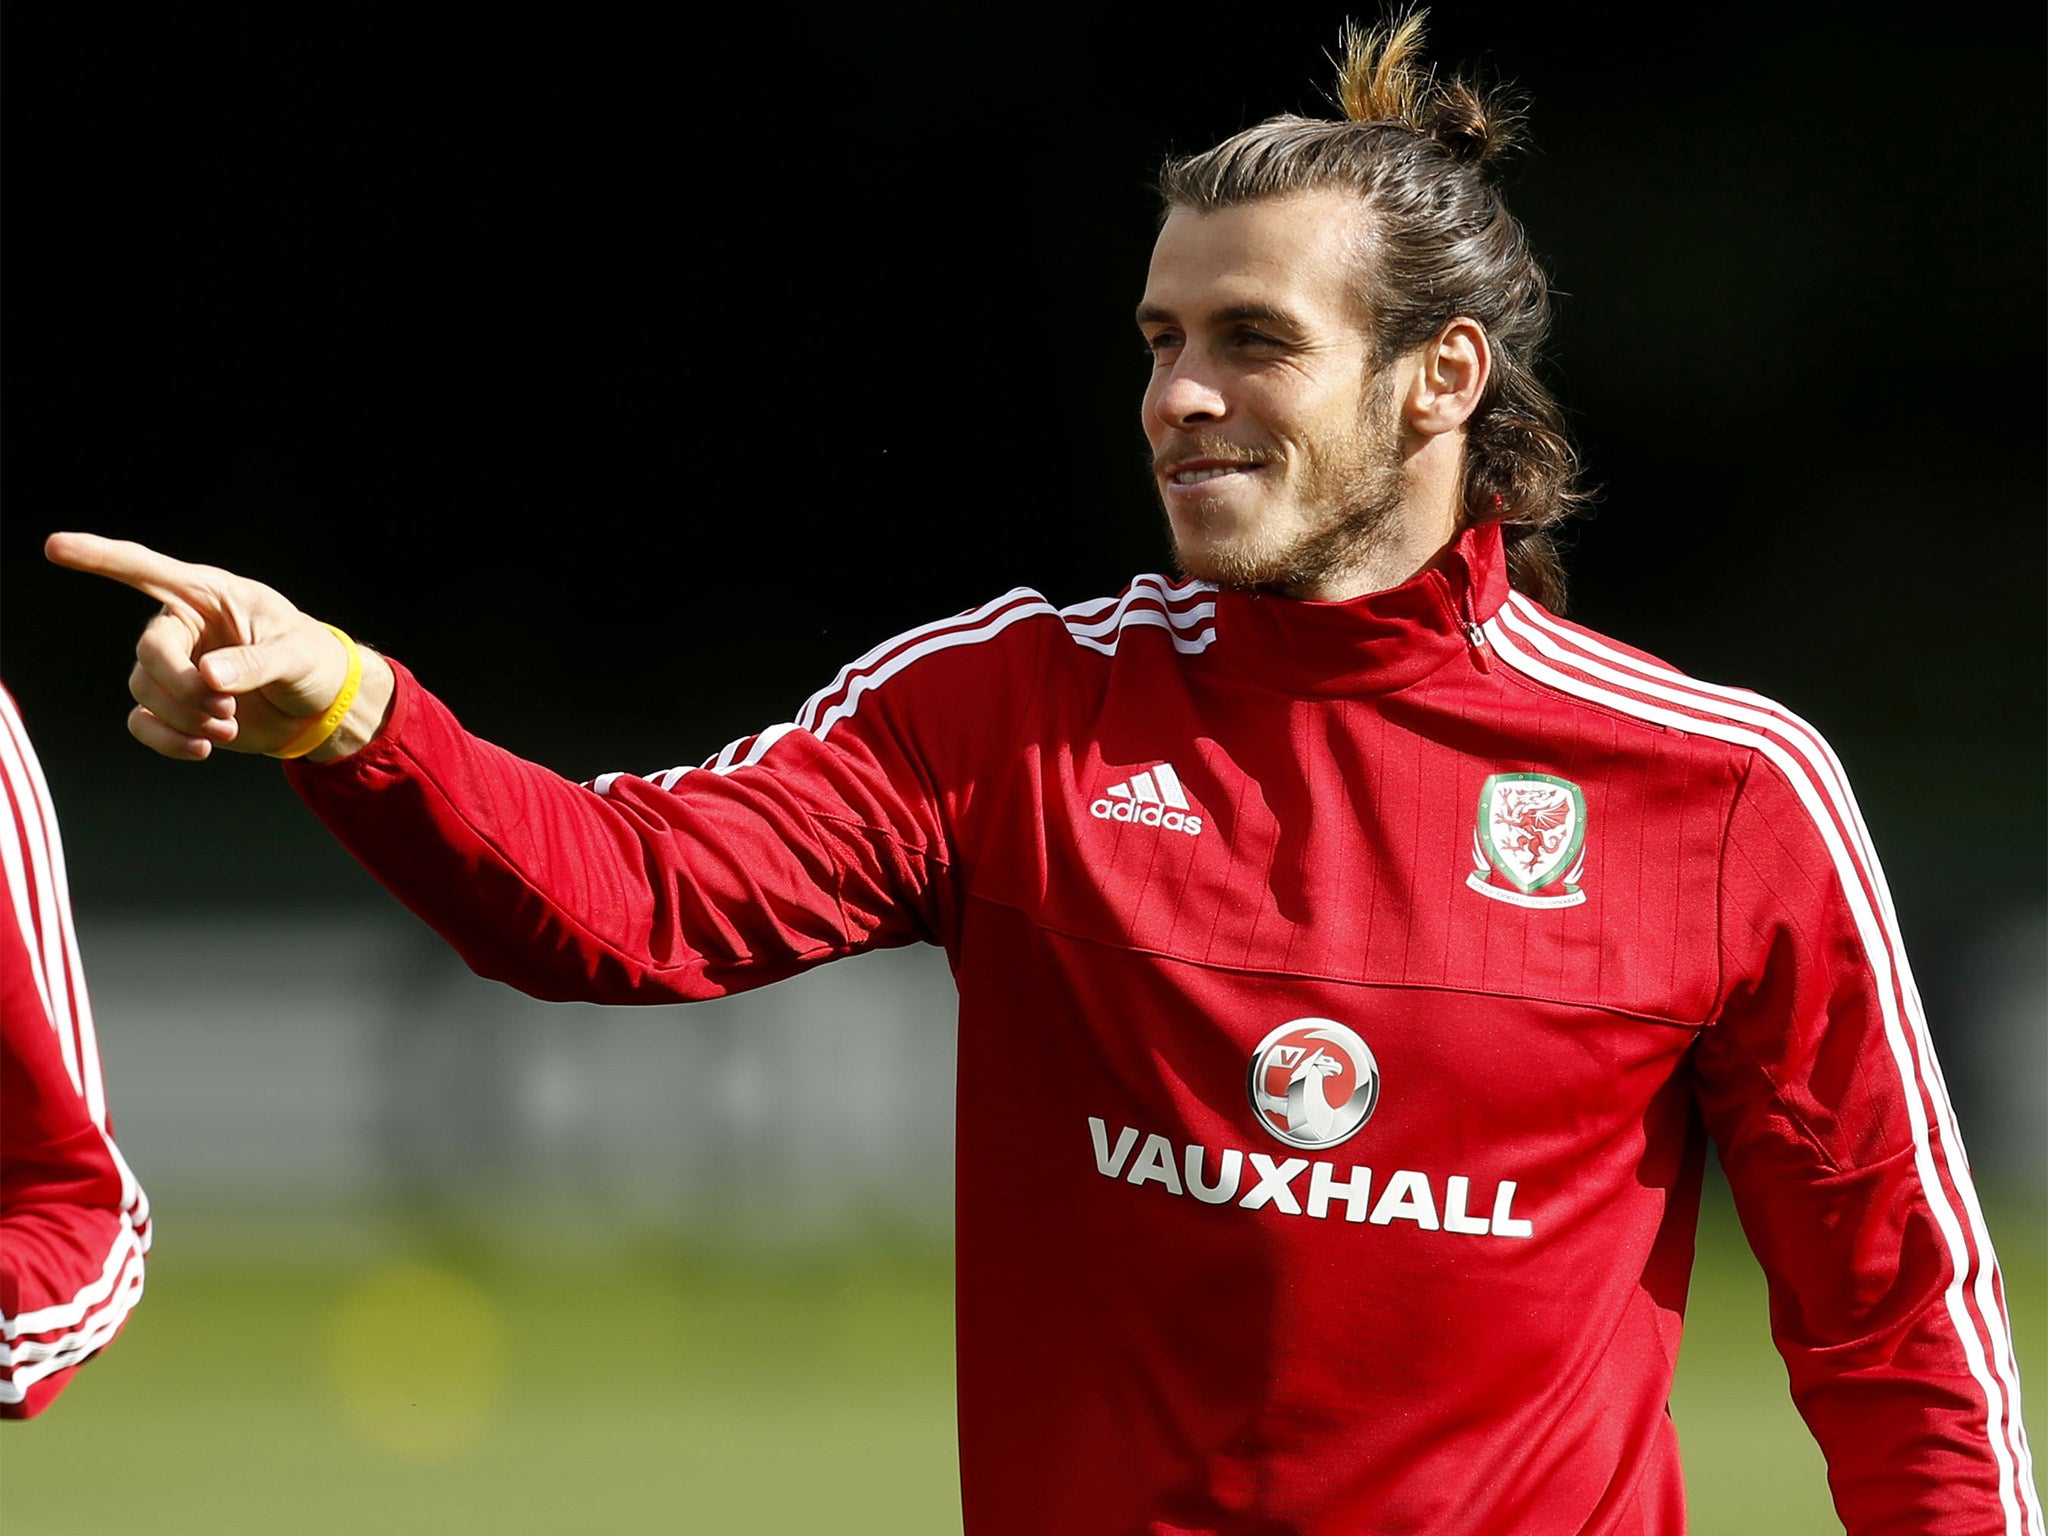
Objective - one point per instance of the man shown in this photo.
(74, 1224)
(1353, 956)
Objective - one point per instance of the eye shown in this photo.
(1160, 342)
(1250, 338)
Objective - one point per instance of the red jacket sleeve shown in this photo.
(836, 832)
(1820, 1087)
(74, 1225)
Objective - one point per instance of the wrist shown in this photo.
(366, 714)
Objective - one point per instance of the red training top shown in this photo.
(74, 1224)
(1347, 991)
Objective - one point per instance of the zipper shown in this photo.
(1475, 637)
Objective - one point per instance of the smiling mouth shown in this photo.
(1195, 476)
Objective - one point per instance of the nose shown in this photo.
(1185, 396)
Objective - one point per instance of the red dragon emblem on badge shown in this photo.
(1528, 845)
(1537, 822)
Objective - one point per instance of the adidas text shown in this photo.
(1146, 816)
(1154, 798)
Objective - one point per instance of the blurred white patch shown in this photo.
(795, 1114)
(2005, 1034)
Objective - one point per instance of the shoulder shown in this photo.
(1018, 634)
(1184, 611)
(28, 822)
(1582, 666)
(16, 749)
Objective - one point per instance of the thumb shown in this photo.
(299, 669)
(241, 668)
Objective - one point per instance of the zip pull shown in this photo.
(1475, 637)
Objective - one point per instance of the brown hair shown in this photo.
(1439, 243)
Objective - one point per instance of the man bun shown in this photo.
(1382, 79)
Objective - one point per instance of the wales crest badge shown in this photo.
(1528, 847)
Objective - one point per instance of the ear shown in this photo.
(1451, 373)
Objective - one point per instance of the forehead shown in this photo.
(1292, 252)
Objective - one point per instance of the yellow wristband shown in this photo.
(319, 730)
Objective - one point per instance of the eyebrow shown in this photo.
(1230, 314)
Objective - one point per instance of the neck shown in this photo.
(1386, 561)
(1425, 521)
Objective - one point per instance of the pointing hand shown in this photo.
(227, 662)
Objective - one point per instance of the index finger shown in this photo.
(122, 560)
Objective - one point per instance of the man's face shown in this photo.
(1275, 449)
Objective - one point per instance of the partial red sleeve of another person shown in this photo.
(74, 1224)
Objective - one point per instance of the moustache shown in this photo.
(1183, 447)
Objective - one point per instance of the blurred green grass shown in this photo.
(269, 1387)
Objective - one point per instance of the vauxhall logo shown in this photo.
(1313, 1084)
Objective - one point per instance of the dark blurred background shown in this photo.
(627, 377)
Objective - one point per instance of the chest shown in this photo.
(1468, 837)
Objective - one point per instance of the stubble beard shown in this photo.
(1356, 486)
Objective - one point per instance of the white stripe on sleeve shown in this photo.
(1536, 646)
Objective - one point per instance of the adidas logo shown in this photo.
(1153, 798)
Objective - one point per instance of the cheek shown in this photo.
(1318, 434)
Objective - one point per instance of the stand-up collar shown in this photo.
(1371, 644)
